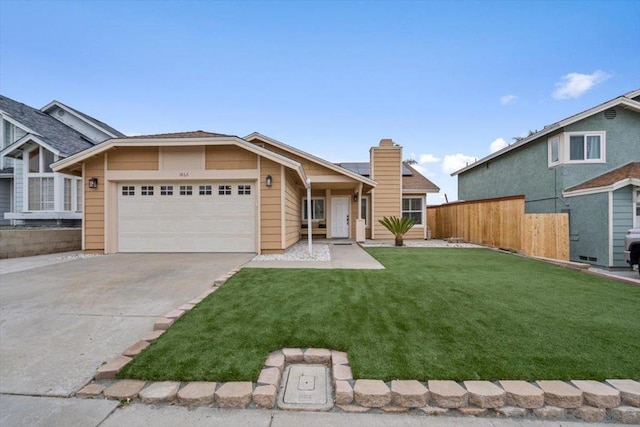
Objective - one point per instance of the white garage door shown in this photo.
(186, 217)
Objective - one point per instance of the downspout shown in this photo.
(309, 215)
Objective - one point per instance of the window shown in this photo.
(554, 150)
(244, 190)
(412, 208)
(34, 161)
(79, 195)
(317, 209)
(166, 190)
(146, 190)
(41, 194)
(363, 210)
(67, 194)
(128, 190)
(224, 190)
(206, 190)
(586, 147)
(40, 160)
(186, 190)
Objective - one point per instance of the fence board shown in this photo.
(502, 223)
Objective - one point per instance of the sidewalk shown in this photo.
(342, 254)
(16, 411)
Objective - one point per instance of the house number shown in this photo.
(183, 174)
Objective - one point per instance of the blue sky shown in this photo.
(449, 81)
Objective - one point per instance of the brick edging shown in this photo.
(617, 400)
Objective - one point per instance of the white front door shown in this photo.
(340, 217)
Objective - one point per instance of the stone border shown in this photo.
(616, 400)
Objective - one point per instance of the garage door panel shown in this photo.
(192, 223)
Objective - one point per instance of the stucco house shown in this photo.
(208, 192)
(587, 165)
(31, 193)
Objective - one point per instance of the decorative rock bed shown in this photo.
(616, 400)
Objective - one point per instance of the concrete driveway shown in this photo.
(59, 323)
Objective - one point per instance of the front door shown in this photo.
(340, 217)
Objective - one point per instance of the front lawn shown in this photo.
(456, 314)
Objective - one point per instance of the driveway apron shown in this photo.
(59, 323)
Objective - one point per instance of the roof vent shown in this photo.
(610, 114)
(60, 112)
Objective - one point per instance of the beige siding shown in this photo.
(311, 168)
(293, 210)
(386, 169)
(270, 207)
(94, 205)
(225, 157)
(134, 158)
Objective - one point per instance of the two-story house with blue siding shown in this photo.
(587, 165)
(31, 193)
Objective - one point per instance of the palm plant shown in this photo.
(398, 226)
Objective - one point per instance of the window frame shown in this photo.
(225, 190)
(365, 212)
(422, 209)
(550, 142)
(314, 199)
(244, 189)
(584, 135)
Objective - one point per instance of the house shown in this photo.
(31, 193)
(208, 192)
(587, 165)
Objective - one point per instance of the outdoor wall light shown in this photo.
(269, 181)
(355, 197)
(93, 182)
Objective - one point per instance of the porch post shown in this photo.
(309, 215)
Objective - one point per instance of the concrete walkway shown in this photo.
(344, 255)
(17, 411)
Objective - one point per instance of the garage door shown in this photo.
(186, 217)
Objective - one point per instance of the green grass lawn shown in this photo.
(456, 314)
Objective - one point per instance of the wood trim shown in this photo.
(283, 215)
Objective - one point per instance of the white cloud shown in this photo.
(508, 99)
(454, 162)
(428, 158)
(498, 144)
(573, 85)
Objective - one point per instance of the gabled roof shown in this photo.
(612, 180)
(55, 134)
(625, 100)
(417, 181)
(183, 139)
(411, 178)
(189, 134)
(311, 157)
(114, 133)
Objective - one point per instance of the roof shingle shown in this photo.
(630, 170)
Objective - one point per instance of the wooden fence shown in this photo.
(502, 223)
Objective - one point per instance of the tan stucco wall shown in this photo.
(293, 210)
(134, 158)
(386, 170)
(94, 205)
(225, 157)
(270, 207)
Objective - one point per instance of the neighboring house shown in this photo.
(587, 165)
(30, 141)
(207, 192)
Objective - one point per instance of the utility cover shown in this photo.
(306, 388)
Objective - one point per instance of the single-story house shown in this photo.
(208, 192)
